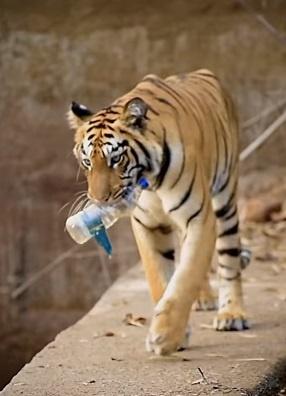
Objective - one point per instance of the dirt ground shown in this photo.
(103, 355)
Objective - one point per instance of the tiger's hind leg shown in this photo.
(207, 299)
(231, 315)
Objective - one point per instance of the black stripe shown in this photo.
(143, 148)
(172, 92)
(92, 122)
(168, 254)
(109, 135)
(97, 124)
(231, 214)
(231, 278)
(225, 266)
(187, 193)
(231, 231)
(222, 127)
(89, 129)
(111, 111)
(180, 174)
(152, 110)
(118, 193)
(125, 132)
(161, 227)
(213, 86)
(142, 209)
(224, 185)
(146, 91)
(109, 120)
(182, 165)
(166, 88)
(196, 213)
(124, 143)
(138, 166)
(133, 167)
(135, 155)
(217, 159)
(226, 208)
(165, 162)
(165, 101)
(207, 75)
(233, 252)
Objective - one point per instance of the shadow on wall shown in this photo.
(93, 51)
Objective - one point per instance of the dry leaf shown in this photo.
(199, 381)
(109, 334)
(116, 359)
(106, 334)
(131, 320)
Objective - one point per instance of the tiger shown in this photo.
(181, 134)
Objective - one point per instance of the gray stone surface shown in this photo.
(100, 355)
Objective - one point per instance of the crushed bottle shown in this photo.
(93, 221)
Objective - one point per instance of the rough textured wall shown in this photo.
(92, 51)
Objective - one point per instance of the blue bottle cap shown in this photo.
(143, 183)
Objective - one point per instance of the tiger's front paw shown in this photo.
(231, 320)
(167, 331)
(186, 342)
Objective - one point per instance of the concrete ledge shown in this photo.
(100, 355)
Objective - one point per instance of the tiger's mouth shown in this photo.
(124, 194)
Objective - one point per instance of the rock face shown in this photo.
(92, 51)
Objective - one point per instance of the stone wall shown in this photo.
(53, 52)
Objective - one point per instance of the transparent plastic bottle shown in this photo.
(93, 221)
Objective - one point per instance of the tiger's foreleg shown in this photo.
(157, 251)
(171, 314)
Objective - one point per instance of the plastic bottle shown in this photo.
(93, 221)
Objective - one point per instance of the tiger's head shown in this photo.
(116, 147)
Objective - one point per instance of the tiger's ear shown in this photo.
(134, 113)
(78, 114)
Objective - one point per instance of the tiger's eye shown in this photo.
(115, 159)
(86, 162)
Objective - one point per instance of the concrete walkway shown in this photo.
(101, 355)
